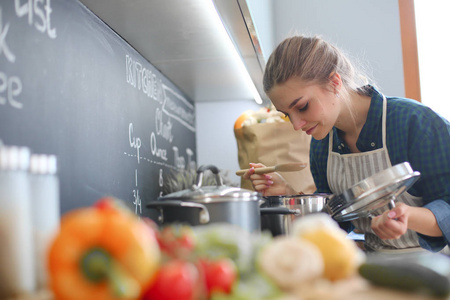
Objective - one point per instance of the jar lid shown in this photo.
(43, 164)
(210, 194)
(14, 158)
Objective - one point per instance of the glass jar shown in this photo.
(17, 274)
(44, 187)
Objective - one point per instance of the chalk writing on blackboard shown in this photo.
(179, 108)
(10, 85)
(137, 199)
(142, 78)
(70, 86)
(163, 129)
(4, 49)
(38, 17)
(135, 142)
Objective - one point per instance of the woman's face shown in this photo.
(310, 108)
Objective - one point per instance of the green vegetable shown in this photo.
(220, 240)
(423, 274)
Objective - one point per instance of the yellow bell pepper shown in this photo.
(102, 252)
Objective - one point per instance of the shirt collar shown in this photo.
(375, 114)
(370, 137)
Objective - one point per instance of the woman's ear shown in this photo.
(336, 82)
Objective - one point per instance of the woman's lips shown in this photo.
(309, 131)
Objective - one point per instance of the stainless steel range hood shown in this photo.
(179, 38)
(237, 20)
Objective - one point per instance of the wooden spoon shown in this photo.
(289, 167)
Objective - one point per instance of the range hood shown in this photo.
(180, 38)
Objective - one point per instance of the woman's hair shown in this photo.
(312, 60)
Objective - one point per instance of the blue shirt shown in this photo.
(414, 133)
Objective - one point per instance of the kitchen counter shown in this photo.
(368, 293)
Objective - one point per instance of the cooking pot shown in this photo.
(206, 204)
(296, 206)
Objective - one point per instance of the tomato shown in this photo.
(177, 240)
(112, 204)
(175, 280)
(220, 275)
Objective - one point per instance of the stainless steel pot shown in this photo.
(206, 204)
(295, 206)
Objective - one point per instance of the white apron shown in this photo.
(344, 170)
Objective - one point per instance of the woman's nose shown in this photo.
(298, 123)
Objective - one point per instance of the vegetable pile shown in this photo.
(107, 252)
(263, 115)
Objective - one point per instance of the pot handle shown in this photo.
(279, 211)
(200, 172)
(203, 216)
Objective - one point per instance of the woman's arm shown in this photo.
(422, 138)
(394, 223)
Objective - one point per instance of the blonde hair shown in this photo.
(312, 60)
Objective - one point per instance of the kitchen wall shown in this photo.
(367, 30)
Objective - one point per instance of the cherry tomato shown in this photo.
(220, 275)
(177, 240)
(175, 280)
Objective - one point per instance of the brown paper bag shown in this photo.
(275, 143)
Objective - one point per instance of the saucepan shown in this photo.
(200, 205)
(297, 206)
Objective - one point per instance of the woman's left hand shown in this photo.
(392, 224)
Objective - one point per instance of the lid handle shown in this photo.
(200, 172)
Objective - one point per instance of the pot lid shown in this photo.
(373, 192)
(210, 194)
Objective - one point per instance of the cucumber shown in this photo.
(408, 275)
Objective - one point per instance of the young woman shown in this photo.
(357, 132)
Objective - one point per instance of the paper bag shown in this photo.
(275, 143)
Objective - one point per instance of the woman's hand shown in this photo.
(271, 184)
(394, 223)
(391, 224)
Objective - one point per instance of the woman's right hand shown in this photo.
(272, 184)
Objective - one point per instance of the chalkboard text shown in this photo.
(4, 49)
(163, 129)
(143, 79)
(10, 87)
(135, 142)
(158, 152)
(37, 16)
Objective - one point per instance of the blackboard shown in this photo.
(70, 86)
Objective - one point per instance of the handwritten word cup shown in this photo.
(135, 142)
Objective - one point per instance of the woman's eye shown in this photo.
(304, 108)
